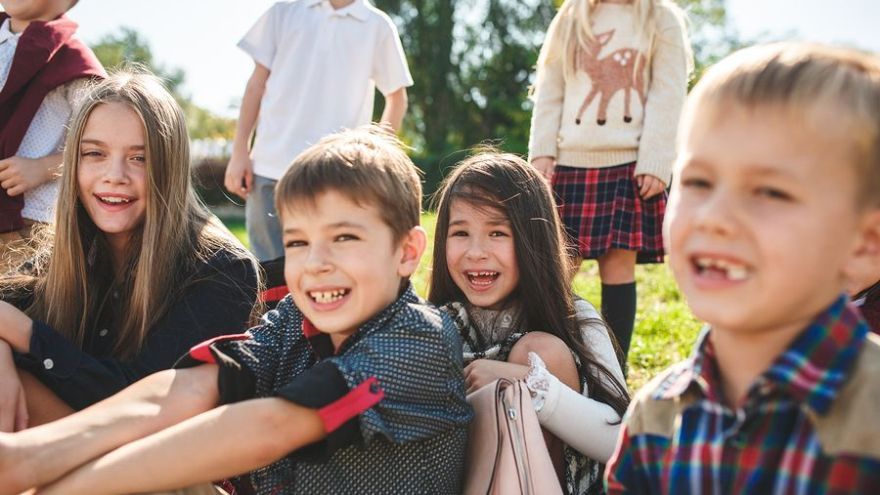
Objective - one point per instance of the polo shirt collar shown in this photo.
(811, 371)
(6, 32)
(357, 9)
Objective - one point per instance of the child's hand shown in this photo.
(239, 176)
(485, 371)
(19, 175)
(649, 185)
(546, 165)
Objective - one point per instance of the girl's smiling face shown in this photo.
(112, 171)
(480, 254)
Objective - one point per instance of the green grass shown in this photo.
(665, 328)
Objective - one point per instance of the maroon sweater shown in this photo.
(46, 57)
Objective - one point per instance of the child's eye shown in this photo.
(498, 233)
(90, 153)
(139, 158)
(696, 182)
(294, 244)
(345, 237)
(773, 193)
(458, 233)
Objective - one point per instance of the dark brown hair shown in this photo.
(367, 165)
(506, 183)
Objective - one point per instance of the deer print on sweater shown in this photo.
(622, 69)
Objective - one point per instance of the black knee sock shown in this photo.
(619, 310)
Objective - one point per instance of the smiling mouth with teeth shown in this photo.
(721, 268)
(113, 200)
(328, 296)
(482, 278)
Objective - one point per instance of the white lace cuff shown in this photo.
(538, 381)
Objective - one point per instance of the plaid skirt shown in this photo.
(602, 210)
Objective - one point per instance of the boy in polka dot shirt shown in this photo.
(353, 384)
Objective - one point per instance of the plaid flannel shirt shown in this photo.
(807, 426)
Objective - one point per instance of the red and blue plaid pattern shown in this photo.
(602, 210)
(768, 446)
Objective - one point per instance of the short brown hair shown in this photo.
(829, 88)
(366, 164)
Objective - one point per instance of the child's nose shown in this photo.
(717, 213)
(116, 171)
(317, 259)
(476, 249)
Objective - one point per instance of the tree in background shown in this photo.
(127, 47)
(473, 62)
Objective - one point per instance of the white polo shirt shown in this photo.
(325, 65)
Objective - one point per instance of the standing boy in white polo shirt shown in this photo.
(317, 64)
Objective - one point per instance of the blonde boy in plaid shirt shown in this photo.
(775, 207)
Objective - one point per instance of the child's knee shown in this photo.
(550, 347)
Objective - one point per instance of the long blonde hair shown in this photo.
(72, 277)
(571, 31)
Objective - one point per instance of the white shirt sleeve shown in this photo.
(579, 421)
(261, 41)
(390, 70)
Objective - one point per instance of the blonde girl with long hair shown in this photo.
(133, 272)
(611, 81)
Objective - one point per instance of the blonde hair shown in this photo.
(367, 165)
(814, 83)
(571, 32)
(72, 278)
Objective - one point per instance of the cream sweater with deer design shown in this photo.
(608, 113)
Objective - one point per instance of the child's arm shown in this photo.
(395, 108)
(240, 170)
(663, 104)
(547, 112)
(19, 175)
(220, 443)
(587, 425)
(40, 455)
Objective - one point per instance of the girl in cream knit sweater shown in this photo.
(612, 79)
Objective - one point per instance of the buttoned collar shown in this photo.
(357, 9)
(811, 371)
(6, 32)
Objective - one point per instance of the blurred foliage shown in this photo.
(473, 65)
(127, 47)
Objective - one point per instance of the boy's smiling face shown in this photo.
(763, 225)
(342, 263)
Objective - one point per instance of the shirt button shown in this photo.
(48, 364)
(103, 332)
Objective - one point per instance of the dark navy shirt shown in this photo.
(218, 301)
(399, 377)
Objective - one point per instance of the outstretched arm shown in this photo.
(40, 455)
(222, 442)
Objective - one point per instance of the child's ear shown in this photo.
(863, 268)
(412, 247)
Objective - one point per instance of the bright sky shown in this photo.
(199, 36)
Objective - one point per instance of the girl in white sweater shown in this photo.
(499, 270)
(612, 78)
